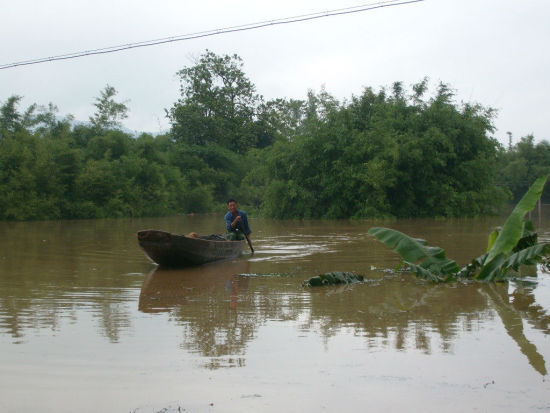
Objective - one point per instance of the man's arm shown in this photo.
(229, 221)
(247, 229)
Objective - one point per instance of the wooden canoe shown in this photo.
(174, 250)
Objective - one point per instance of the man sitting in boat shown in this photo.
(236, 222)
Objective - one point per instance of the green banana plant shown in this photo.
(427, 262)
(508, 248)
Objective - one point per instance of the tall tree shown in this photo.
(218, 104)
(109, 112)
(10, 118)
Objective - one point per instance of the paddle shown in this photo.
(246, 235)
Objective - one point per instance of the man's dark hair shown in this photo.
(231, 200)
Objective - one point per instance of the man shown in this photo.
(236, 222)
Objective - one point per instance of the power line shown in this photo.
(215, 32)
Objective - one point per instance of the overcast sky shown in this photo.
(492, 52)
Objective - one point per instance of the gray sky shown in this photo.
(493, 52)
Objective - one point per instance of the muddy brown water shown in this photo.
(89, 324)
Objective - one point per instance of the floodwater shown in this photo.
(89, 324)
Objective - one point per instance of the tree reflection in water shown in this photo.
(221, 307)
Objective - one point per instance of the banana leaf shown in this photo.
(492, 270)
(500, 267)
(492, 238)
(426, 274)
(416, 252)
(529, 238)
(513, 229)
(470, 270)
(525, 252)
(527, 256)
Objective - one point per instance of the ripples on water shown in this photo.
(296, 246)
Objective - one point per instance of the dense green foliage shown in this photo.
(508, 249)
(386, 154)
(522, 163)
(50, 170)
(382, 153)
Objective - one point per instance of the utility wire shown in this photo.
(215, 32)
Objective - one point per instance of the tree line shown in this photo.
(393, 152)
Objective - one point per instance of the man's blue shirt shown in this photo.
(229, 218)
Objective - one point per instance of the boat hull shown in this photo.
(174, 250)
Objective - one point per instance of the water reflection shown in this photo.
(509, 312)
(50, 272)
(165, 289)
(220, 308)
(204, 301)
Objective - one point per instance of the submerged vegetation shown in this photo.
(333, 278)
(385, 153)
(509, 248)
